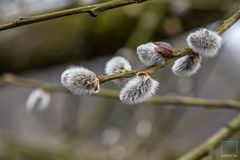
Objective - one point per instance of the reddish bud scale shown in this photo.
(164, 48)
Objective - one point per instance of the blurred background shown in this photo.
(95, 128)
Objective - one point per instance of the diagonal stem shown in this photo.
(93, 10)
(177, 52)
(214, 141)
(113, 94)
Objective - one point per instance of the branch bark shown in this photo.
(152, 69)
(228, 22)
(93, 10)
(109, 93)
(214, 141)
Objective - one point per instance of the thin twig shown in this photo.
(93, 10)
(109, 93)
(228, 22)
(214, 141)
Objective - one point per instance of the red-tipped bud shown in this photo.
(164, 48)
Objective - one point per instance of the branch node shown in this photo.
(140, 1)
(93, 13)
(20, 20)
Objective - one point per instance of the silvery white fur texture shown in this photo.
(138, 89)
(117, 65)
(80, 80)
(204, 42)
(148, 55)
(187, 65)
(38, 95)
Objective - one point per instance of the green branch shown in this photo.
(157, 100)
(93, 10)
(108, 93)
(228, 22)
(152, 69)
(177, 52)
(214, 141)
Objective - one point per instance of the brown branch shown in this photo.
(93, 10)
(108, 93)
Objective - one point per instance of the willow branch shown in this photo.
(93, 10)
(228, 22)
(214, 141)
(109, 93)
(177, 53)
(152, 69)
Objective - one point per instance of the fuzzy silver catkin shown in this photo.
(138, 89)
(38, 95)
(187, 65)
(204, 42)
(117, 65)
(148, 54)
(80, 80)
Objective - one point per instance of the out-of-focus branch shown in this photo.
(177, 53)
(141, 33)
(214, 141)
(12, 148)
(228, 22)
(108, 93)
(93, 10)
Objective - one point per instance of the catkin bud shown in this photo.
(38, 99)
(164, 48)
(187, 65)
(154, 52)
(117, 65)
(148, 55)
(204, 42)
(138, 89)
(80, 80)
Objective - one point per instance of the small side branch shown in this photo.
(108, 93)
(213, 142)
(93, 10)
